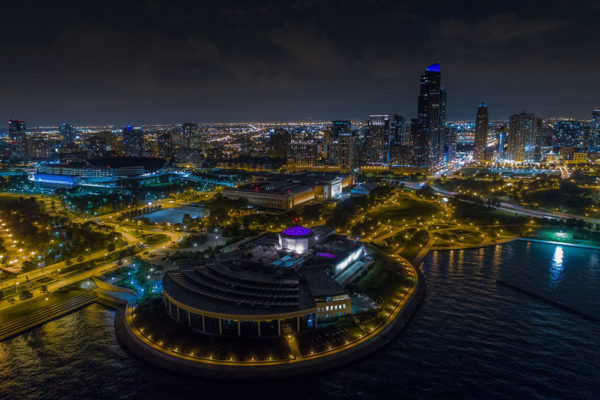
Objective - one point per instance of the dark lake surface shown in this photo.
(471, 339)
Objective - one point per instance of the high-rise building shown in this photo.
(399, 130)
(348, 151)
(96, 146)
(16, 132)
(16, 128)
(278, 143)
(481, 132)
(332, 139)
(377, 139)
(443, 102)
(524, 137)
(133, 141)
(191, 133)
(302, 151)
(426, 133)
(166, 146)
(67, 134)
(569, 133)
(340, 126)
(595, 130)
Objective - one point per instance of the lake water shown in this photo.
(471, 339)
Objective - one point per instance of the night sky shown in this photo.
(174, 61)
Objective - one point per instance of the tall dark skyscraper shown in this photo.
(302, 151)
(348, 151)
(595, 130)
(16, 132)
(332, 139)
(569, 133)
(481, 132)
(278, 143)
(133, 141)
(166, 146)
(426, 133)
(96, 146)
(340, 126)
(524, 137)
(399, 129)
(377, 139)
(67, 133)
(443, 101)
(16, 128)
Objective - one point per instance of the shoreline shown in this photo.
(584, 246)
(423, 253)
(219, 370)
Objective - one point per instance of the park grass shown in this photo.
(382, 280)
(410, 252)
(457, 237)
(491, 220)
(469, 171)
(154, 238)
(190, 241)
(408, 209)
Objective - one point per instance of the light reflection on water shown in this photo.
(471, 339)
(557, 265)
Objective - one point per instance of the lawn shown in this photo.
(191, 241)
(407, 209)
(455, 237)
(490, 220)
(385, 277)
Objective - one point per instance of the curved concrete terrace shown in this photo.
(147, 349)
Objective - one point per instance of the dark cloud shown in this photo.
(170, 61)
(494, 30)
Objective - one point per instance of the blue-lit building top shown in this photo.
(433, 68)
(55, 180)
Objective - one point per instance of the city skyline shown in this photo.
(167, 63)
(303, 199)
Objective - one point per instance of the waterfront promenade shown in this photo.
(43, 315)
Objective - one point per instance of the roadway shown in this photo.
(67, 280)
(517, 209)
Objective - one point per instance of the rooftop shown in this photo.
(296, 230)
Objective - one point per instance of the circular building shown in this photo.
(249, 300)
(297, 239)
(128, 167)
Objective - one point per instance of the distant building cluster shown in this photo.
(425, 143)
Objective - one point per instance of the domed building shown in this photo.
(298, 239)
(294, 279)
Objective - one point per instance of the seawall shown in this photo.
(215, 370)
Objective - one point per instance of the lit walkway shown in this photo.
(393, 311)
(43, 315)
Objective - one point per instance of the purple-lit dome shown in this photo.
(296, 230)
